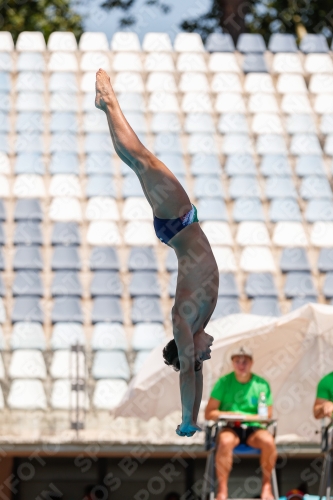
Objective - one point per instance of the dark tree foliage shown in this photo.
(239, 16)
(40, 15)
(292, 16)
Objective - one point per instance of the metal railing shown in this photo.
(326, 471)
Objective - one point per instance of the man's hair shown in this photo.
(171, 358)
(170, 355)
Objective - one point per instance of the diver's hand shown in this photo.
(187, 429)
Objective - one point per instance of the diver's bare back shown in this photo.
(198, 276)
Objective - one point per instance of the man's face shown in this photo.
(242, 365)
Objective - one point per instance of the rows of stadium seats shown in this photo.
(247, 130)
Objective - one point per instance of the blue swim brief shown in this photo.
(166, 229)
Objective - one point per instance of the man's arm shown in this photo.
(322, 408)
(212, 411)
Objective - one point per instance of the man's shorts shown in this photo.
(243, 432)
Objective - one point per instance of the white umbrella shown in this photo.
(292, 352)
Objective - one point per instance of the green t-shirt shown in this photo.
(325, 387)
(241, 398)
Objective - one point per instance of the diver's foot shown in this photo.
(104, 90)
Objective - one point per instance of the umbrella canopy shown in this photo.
(292, 352)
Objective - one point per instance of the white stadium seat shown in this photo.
(30, 101)
(66, 185)
(305, 144)
(63, 61)
(225, 259)
(191, 62)
(323, 104)
(321, 83)
(226, 82)
(62, 41)
(63, 101)
(201, 143)
(230, 102)
(161, 82)
(66, 335)
(237, 144)
(163, 102)
(140, 359)
(193, 82)
(27, 363)
(102, 208)
(108, 393)
(256, 259)
(128, 81)
(95, 121)
(127, 61)
(109, 336)
(258, 83)
(30, 41)
(196, 102)
(328, 148)
(2, 312)
(125, 41)
(6, 41)
(147, 336)
(27, 335)
(87, 81)
(103, 233)
(4, 187)
(64, 398)
(64, 364)
(218, 233)
(156, 42)
(4, 163)
(289, 234)
(159, 61)
(2, 372)
(135, 208)
(29, 186)
(295, 103)
(25, 394)
(290, 83)
(263, 103)
(287, 63)
(92, 61)
(318, 63)
(96, 41)
(322, 234)
(252, 234)
(188, 42)
(225, 62)
(139, 233)
(267, 123)
(65, 209)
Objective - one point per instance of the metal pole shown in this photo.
(77, 390)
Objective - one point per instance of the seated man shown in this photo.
(238, 392)
(323, 405)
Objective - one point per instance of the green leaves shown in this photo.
(254, 16)
(40, 15)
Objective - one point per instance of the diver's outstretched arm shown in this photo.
(190, 389)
